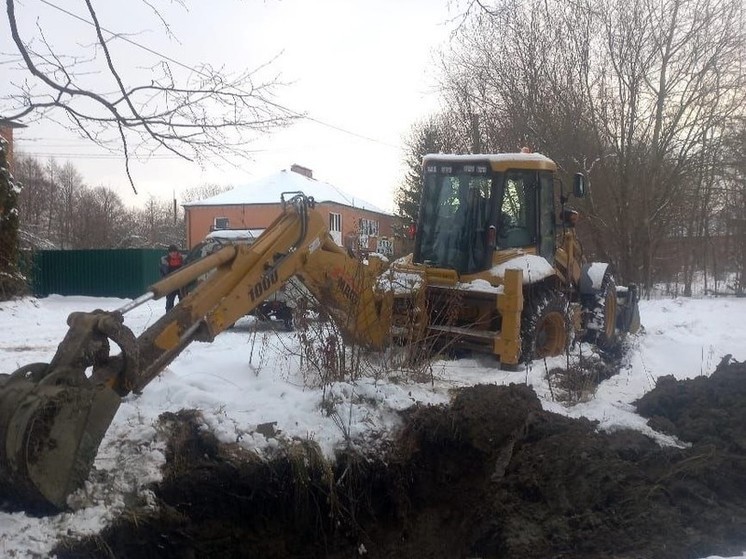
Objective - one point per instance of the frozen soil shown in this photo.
(490, 475)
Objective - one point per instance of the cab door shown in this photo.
(547, 217)
(517, 219)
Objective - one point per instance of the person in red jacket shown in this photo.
(172, 261)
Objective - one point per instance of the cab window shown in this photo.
(517, 220)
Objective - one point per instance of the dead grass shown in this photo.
(578, 381)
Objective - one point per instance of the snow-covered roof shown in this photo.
(235, 234)
(498, 160)
(268, 190)
(477, 157)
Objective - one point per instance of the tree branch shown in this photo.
(207, 114)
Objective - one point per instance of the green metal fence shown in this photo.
(98, 273)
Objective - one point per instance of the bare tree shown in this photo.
(207, 113)
(100, 219)
(85, 218)
(69, 193)
(511, 76)
(34, 201)
(53, 172)
(155, 226)
(635, 94)
(733, 182)
(674, 83)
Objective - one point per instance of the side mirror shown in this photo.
(578, 185)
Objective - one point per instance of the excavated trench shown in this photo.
(491, 475)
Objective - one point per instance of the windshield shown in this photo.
(454, 216)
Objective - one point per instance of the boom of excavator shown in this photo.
(485, 275)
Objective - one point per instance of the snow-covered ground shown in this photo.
(251, 376)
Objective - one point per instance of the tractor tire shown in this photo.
(634, 321)
(602, 314)
(545, 325)
(628, 317)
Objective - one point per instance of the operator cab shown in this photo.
(474, 205)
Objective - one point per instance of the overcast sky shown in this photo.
(363, 66)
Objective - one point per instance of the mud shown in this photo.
(491, 475)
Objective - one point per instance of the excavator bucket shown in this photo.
(51, 435)
(54, 416)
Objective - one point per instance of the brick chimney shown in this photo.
(6, 133)
(301, 170)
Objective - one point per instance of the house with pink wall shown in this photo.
(353, 223)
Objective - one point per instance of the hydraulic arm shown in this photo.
(54, 415)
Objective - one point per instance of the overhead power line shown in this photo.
(195, 70)
(92, 155)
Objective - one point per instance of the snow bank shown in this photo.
(250, 376)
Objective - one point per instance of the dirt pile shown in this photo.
(704, 410)
(491, 475)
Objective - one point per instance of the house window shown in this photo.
(221, 223)
(335, 222)
(335, 227)
(368, 227)
(385, 246)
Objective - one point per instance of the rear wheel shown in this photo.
(628, 317)
(603, 310)
(634, 322)
(545, 326)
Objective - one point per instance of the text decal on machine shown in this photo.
(263, 285)
(347, 290)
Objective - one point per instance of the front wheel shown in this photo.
(545, 325)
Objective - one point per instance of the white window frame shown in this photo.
(335, 227)
(335, 222)
(385, 246)
(368, 227)
(215, 223)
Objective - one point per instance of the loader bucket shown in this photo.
(50, 431)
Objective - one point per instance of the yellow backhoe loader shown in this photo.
(493, 270)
